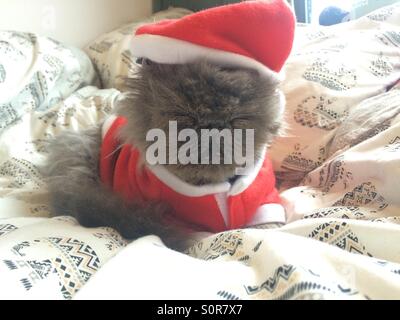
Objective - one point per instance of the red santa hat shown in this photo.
(252, 34)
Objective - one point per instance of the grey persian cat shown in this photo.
(198, 95)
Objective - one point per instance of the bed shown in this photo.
(338, 170)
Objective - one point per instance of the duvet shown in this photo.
(338, 169)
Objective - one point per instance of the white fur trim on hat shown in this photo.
(167, 50)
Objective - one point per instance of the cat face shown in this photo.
(201, 96)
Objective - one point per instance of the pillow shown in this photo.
(36, 73)
(330, 71)
(110, 52)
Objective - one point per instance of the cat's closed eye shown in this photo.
(182, 118)
(242, 122)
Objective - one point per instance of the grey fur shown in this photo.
(76, 190)
(196, 95)
(200, 95)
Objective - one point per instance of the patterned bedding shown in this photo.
(338, 166)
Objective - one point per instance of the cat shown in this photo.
(197, 95)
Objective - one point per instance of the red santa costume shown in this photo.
(255, 35)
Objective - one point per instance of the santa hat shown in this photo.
(252, 34)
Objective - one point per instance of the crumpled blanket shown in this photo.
(338, 168)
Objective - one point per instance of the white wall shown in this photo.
(74, 22)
